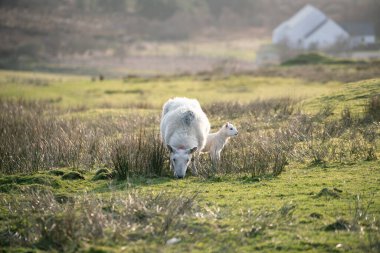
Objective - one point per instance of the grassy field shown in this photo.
(71, 91)
(80, 171)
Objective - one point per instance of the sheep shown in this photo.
(216, 141)
(184, 128)
(173, 103)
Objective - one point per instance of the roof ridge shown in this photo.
(316, 28)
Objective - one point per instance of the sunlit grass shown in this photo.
(238, 49)
(81, 91)
(232, 211)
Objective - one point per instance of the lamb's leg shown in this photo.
(214, 160)
(218, 156)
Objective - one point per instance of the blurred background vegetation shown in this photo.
(71, 33)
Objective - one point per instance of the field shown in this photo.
(82, 167)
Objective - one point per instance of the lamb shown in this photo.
(184, 128)
(216, 141)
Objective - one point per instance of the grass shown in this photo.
(316, 58)
(354, 95)
(230, 213)
(82, 92)
(239, 49)
(299, 177)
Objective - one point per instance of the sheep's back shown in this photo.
(185, 124)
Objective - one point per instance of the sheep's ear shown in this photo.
(193, 150)
(227, 124)
(170, 148)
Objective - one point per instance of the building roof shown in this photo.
(359, 29)
(306, 20)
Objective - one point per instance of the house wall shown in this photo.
(278, 35)
(327, 35)
(297, 27)
(356, 41)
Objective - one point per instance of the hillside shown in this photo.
(99, 36)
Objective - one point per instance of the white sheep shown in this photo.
(216, 141)
(176, 102)
(184, 128)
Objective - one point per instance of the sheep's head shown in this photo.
(230, 129)
(180, 160)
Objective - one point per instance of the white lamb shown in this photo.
(184, 129)
(216, 141)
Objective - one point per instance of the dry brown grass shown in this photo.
(272, 135)
(55, 226)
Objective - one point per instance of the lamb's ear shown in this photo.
(226, 125)
(193, 150)
(170, 148)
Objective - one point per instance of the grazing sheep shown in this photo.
(173, 103)
(216, 141)
(184, 129)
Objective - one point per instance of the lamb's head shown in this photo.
(230, 129)
(180, 160)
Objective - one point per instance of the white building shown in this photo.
(310, 28)
(361, 34)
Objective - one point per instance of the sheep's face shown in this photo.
(180, 160)
(230, 129)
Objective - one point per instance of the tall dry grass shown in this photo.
(272, 134)
(34, 136)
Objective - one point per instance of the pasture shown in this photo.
(82, 167)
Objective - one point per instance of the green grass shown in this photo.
(316, 58)
(353, 95)
(230, 213)
(238, 204)
(80, 91)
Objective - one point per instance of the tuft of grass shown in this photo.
(73, 175)
(340, 224)
(142, 154)
(56, 172)
(327, 193)
(103, 176)
(36, 179)
(372, 108)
